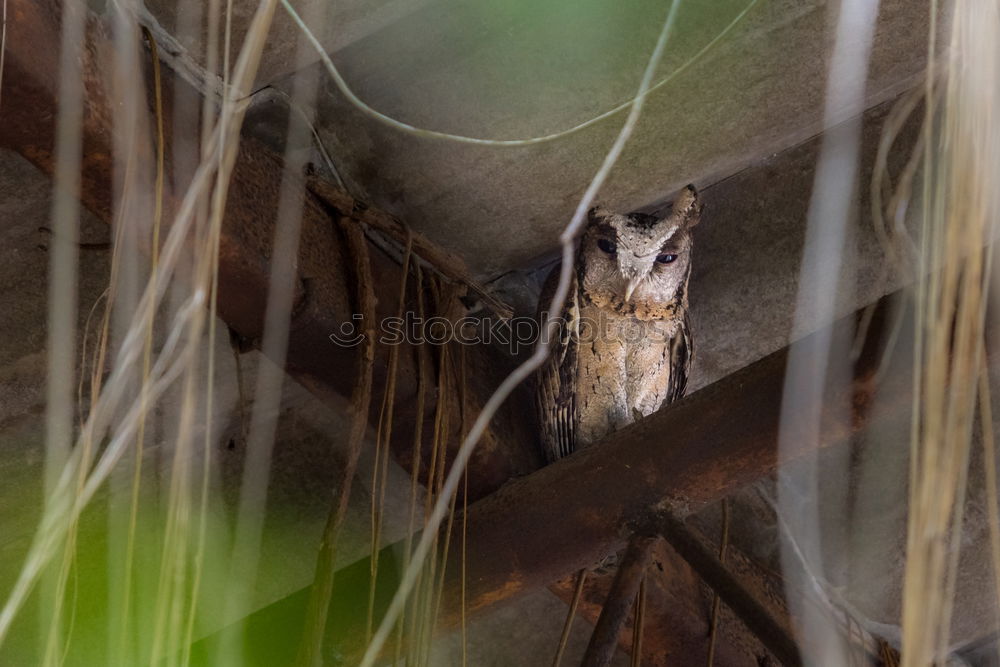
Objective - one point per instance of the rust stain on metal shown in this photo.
(510, 588)
(726, 438)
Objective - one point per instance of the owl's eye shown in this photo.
(607, 246)
(665, 259)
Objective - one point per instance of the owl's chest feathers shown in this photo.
(623, 367)
(612, 303)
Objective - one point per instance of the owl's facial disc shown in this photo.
(645, 246)
(634, 269)
(638, 264)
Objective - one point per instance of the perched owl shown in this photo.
(624, 346)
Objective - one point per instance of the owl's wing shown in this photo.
(556, 390)
(681, 352)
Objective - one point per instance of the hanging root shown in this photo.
(445, 264)
(310, 652)
(383, 439)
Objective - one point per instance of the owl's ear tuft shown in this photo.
(687, 207)
(597, 214)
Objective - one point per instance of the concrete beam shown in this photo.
(523, 69)
(482, 73)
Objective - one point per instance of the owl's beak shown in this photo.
(632, 284)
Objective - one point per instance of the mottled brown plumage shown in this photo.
(624, 346)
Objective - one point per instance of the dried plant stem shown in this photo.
(310, 652)
(425, 604)
(214, 233)
(805, 401)
(581, 578)
(383, 443)
(639, 623)
(960, 204)
(464, 393)
(150, 322)
(282, 281)
(418, 431)
(716, 601)
(891, 237)
(126, 46)
(439, 589)
(62, 307)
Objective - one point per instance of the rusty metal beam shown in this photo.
(571, 514)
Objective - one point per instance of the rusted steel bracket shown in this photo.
(631, 570)
(753, 614)
(677, 613)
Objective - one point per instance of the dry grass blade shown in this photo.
(805, 402)
(64, 506)
(581, 578)
(382, 441)
(960, 205)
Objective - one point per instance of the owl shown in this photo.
(624, 344)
